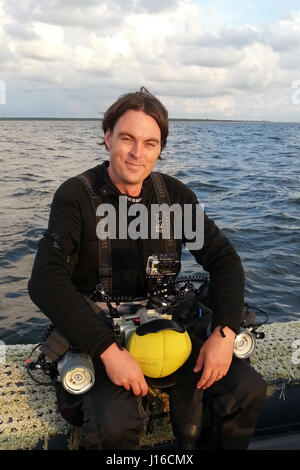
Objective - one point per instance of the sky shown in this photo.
(206, 59)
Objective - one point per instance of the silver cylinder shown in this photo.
(76, 372)
(244, 344)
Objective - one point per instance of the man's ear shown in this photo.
(107, 139)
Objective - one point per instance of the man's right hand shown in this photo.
(123, 370)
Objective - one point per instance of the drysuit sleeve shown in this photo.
(217, 256)
(220, 260)
(50, 286)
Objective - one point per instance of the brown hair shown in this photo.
(141, 100)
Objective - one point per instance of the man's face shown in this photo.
(134, 146)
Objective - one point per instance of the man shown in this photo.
(65, 272)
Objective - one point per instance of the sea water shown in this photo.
(246, 174)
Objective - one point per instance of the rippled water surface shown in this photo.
(245, 174)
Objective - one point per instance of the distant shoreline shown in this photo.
(99, 119)
(170, 120)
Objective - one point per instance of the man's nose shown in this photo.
(137, 149)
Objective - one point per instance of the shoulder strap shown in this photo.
(104, 246)
(163, 197)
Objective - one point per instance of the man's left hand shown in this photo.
(215, 357)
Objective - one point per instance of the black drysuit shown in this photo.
(66, 266)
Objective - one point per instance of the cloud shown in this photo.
(155, 6)
(186, 52)
(21, 32)
(210, 57)
(286, 37)
(226, 36)
(47, 44)
(90, 14)
(290, 61)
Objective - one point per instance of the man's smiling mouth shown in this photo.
(134, 165)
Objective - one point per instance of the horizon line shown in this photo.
(49, 118)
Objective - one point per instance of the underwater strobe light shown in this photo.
(244, 344)
(76, 372)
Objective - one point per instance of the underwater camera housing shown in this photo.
(67, 364)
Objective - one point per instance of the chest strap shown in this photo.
(163, 198)
(104, 246)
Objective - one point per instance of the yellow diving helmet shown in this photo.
(160, 347)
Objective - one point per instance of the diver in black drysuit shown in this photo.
(65, 271)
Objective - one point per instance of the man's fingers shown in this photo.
(220, 375)
(136, 389)
(212, 379)
(127, 386)
(208, 377)
(204, 377)
(206, 380)
(144, 389)
(199, 363)
(123, 370)
(139, 387)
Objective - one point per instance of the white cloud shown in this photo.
(19, 31)
(188, 54)
(90, 14)
(48, 44)
(210, 57)
(286, 37)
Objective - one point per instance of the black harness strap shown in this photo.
(163, 197)
(104, 247)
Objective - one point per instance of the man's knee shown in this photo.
(116, 427)
(123, 437)
(254, 386)
(242, 388)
